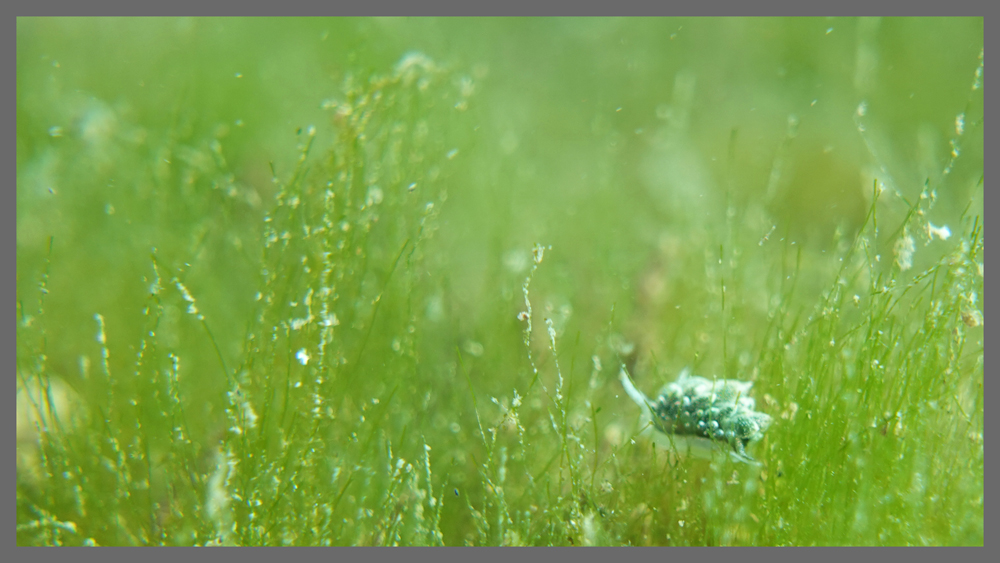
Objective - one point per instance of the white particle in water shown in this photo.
(374, 196)
(302, 356)
(904, 250)
(330, 320)
(942, 232)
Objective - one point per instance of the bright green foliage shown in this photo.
(408, 328)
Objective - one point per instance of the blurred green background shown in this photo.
(641, 150)
(576, 122)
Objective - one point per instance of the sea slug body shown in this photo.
(702, 413)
